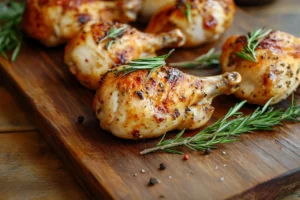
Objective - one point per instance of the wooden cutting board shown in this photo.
(261, 165)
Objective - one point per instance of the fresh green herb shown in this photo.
(113, 33)
(10, 35)
(253, 40)
(109, 44)
(187, 12)
(185, 8)
(145, 63)
(205, 60)
(230, 128)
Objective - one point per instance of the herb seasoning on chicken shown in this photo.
(89, 57)
(54, 22)
(274, 74)
(127, 115)
(201, 21)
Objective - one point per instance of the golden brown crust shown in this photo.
(34, 23)
(276, 72)
(55, 21)
(165, 91)
(134, 107)
(209, 19)
(91, 54)
(38, 23)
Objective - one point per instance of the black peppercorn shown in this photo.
(207, 151)
(80, 119)
(152, 181)
(162, 166)
(83, 18)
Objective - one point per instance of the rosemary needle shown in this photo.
(229, 128)
(10, 36)
(187, 13)
(186, 8)
(253, 40)
(144, 63)
(209, 59)
(113, 33)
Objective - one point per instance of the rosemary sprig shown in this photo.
(113, 33)
(253, 40)
(10, 35)
(230, 128)
(145, 63)
(109, 44)
(205, 60)
(185, 8)
(187, 12)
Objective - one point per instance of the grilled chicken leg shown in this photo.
(89, 55)
(208, 19)
(132, 108)
(275, 74)
(53, 22)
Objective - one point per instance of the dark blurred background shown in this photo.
(282, 14)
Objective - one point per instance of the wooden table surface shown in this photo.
(29, 169)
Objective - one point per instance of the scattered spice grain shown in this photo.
(152, 181)
(162, 166)
(185, 157)
(80, 119)
(207, 151)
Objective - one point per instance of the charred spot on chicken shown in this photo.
(182, 105)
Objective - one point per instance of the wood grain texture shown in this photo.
(105, 165)
(29, 169)
(293, 196)
(13, 118)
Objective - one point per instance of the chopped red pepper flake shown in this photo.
(185, 157)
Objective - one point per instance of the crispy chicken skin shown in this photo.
(89, 57)
(53, 22)
(150, 7)
(275, 74)
(209, 19)
(132, 108)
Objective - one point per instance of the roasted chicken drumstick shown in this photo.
(131, 107)
(276, 72)
(53, 22)
(92, 53)
(201, 21)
